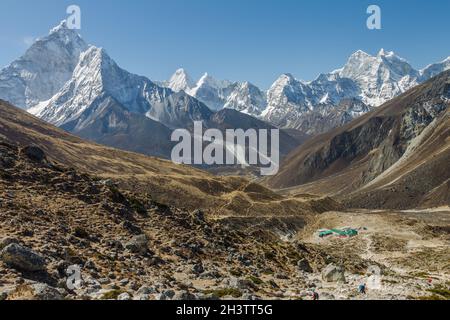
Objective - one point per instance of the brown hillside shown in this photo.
(181, 186)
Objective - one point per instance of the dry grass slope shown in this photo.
(180, 186)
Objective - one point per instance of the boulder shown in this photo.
(161, 297)
(138, 244)
(145, 290)
(3, 296)
(22, 258)
(303, 265)
(34, 153)
(242, 284)
(141, 297)
(198, 268)
(42, 291)
(7, 241)
(198, 215)
(333, 273)
(184, 295)
(124, 297)
(326, 296)
(169, 293)
(131, 227)
(250, 297)
(6, 161)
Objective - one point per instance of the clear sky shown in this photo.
(255, 40)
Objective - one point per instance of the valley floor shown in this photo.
(412, 248)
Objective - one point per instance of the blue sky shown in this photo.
(253, 40)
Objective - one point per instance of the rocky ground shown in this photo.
(409, 251)
(69, 235)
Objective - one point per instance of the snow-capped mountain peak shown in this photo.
(380, 77)
(181, 80)
(283, 80)
(434, 69)
(211, 92)
(97, 81)
(246, 98)
(208, 81)
(384, 53)
(62, 26)
(44, 68)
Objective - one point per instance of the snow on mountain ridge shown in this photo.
(60, 76)
(246, 98)
(380, 77)
(181, 80)
(44, 68)
(371, 79)
(98, 78)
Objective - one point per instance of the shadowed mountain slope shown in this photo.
(410, 130)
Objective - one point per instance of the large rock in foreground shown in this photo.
(138, 244)
(333, 273)
(22, 258)
(42, 291)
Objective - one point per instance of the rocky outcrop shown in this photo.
(333, 273)
(34, 153)
(22, 258)
(138, 244)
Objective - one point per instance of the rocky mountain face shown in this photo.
(418, 179)
(380, 78)
(366, 81)
(231, 119)
(98, 100)
(110, 124)
(44, 68)
(246, 98)
(325, 117)
(369, 146)
(68, 83)
(97, 77)
(220, 94)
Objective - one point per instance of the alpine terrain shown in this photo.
(360, 208)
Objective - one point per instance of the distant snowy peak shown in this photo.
(246, 98)
(435, 69)
(44, 68)
(208, 81)
(363, 67)
(98, 79)
(181, 80)
(287, 99)
(211, 91)
(287, 90)
(380, 77)
(85, 85)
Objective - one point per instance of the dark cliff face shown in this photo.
(372, 143)
(421, 178)
(346, 148)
